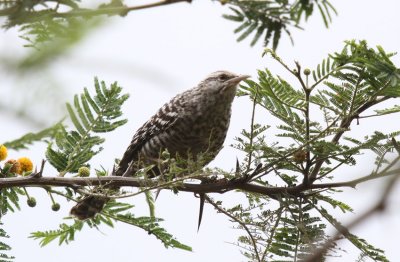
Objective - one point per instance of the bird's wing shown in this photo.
(157, 124)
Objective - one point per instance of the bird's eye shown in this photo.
(223, 77)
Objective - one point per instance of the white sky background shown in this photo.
(155, 54)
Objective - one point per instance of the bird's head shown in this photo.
(221, 83)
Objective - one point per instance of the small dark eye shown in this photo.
(223, 77)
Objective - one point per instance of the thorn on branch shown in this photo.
(298, 67)
(202, 200)
(40, 174)
(237, 170)
(396, 145)
(247, 177)
(37, 174)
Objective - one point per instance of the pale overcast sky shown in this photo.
(155, 54)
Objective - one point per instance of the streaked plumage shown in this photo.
(195, 121)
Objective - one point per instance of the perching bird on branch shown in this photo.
(193, 122)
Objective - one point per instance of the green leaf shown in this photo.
(386, 111)
(374, 253)
(272, 17)
(324, 15)
(75, 120)
(4, 248)
(65, 234)
(150, 202)
(150, 224)
(248, 31)
(89, 115)
(335, 203)
(30, 138)
(360, 78)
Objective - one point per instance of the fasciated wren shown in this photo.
(192, 123)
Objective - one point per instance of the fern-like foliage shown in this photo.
(366, 249)
(113, 212)
(298, 233)
(21, 12)
(45, 21)
(49, 27)
(356, 85)
(50, 37)
(64, 234)
(4, 247)
(286, 233)
(9, 200)
(386, 111)
(314, 139)
(28, 139)
(268, 19)
(116, 211)
(89, 115)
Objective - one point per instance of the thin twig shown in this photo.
(146, 188)
(252, 130)
(271, 233)
(121, 10)
(240, 222)
(345, 124)
(265, 169)
(378, 208)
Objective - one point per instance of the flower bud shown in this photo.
(55, 207)
(83, 171)
(165, 154)
(31, 202)
(14, 166)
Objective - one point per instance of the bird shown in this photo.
(192, 123)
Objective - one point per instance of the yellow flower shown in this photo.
(26, 164)
(3, 152)
(15, 166)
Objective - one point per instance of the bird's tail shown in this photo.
(88, 207)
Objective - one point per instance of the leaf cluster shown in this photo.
(9, 200)
(23, 11)
(44, 135)
(89, 115)
(288, 232)
(4, 247)
(268, 19)
(44, 21)
(112, 212)
(315, 119)
(49, 37)
(354, 86)
(366, 249)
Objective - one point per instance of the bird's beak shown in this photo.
(234, 81)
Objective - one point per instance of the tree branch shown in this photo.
(240, 222)
(120, 10)
(219, 186)
(377, 208)
(345, 124)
